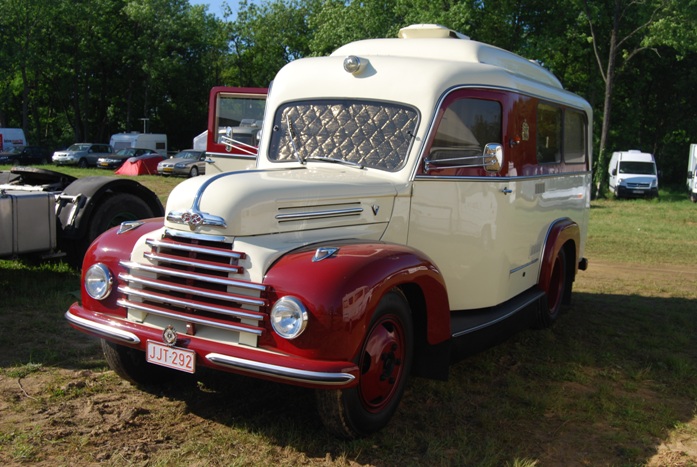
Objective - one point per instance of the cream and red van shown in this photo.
(411, 199)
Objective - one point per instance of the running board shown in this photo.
(466, 322)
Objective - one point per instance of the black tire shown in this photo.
(109, 213)
(369, 406)
(82, 163)
(550, 306)
(116, 209)
(193, 172)
(130, 364)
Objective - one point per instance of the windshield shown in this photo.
(365, 133)
(79, 147)
(125, 152)
(638, 168)
(186, 155)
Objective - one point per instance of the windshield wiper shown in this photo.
(291, 135)
(336, 161)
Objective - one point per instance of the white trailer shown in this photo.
(155, 141)
(11, 137)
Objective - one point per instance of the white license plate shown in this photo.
(171, 357)
(637, 192)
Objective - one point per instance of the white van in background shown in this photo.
(691, 173)
(633, 174)
(157, 142)
(11, 137)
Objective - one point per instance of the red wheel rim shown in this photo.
(556, 285)
(382, 364)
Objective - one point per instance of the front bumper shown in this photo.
(240, 359)
(630, 192)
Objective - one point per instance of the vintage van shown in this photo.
(411, 196)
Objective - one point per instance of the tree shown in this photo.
(614, 47)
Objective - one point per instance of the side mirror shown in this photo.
(493, 157)
(614, 172)
(689, 174)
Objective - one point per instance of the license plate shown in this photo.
(637, 192)
(168, 169)
(104, 164)
(171, 357)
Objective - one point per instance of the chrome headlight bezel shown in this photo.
(288, 317)
(98, 281)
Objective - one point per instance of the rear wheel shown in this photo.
(550, 308)
(385, 362)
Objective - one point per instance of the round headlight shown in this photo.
(98, 281)
(288, 317)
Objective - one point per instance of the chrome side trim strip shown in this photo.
(497, 179)
(188, 319)
(319, 214)
(530, 263)
(103, 329)
(167, 300)
(155, 284)
(292, 374)
(187, 275)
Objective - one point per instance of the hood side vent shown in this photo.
(306, 213)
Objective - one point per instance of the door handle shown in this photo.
(506, 191)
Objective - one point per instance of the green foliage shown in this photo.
(112, 62)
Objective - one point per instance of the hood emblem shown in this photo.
(195, 218)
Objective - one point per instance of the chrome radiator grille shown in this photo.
(194, 285)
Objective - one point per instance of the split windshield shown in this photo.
(369, 134)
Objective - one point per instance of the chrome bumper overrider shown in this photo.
(102, 329)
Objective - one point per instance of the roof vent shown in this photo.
(429, 31)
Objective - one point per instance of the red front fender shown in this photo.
(342, 291)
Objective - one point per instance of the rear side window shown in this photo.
(574, 137)
(549, 127)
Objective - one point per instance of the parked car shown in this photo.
(82, 154)
(116, 160)
(188, 163)
(25, 155)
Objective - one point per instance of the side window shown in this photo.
(466, 127)
(548, 134)
(574, 137)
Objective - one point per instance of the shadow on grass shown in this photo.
(603, 387)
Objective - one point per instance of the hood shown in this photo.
(258, 202)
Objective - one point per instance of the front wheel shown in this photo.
(130, 364)
(193, 172)
(385, 362)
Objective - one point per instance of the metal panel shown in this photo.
(27, 223)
